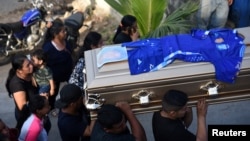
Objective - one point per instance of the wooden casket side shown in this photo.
(113, 81)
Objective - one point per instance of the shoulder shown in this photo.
(65, 119)
(122, 38)
(32, 125)
(47, 43)
(69, 47)
(17, 84)
(47, 46)
(47, 69)
(156, 115)
(99, 134)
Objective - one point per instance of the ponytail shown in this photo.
(17, 63)
(118, 30)
(11, 74)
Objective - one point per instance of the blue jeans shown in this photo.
(212, 14)
(44, 89)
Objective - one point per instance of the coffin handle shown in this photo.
(94, 102)
(143, 96)
(211, 87)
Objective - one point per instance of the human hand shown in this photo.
(45, 95)
(48, 24)
(52, 92)
(134, 35)
(230, 2)
(202, 108)
(124, 106)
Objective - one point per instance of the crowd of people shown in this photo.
(35, 83)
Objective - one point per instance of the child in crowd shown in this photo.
(6, 133)
(33, 129)
(42, 73)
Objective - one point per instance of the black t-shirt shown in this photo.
(166, 129)
(60, 62)
(16, 85)
(72, 127)
(122, 38)
(98, 134)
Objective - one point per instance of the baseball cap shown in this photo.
(68, 94)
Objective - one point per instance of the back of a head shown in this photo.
(109, 115)
(69, 93)
(92, 38)
(128, 21)
(57, 26)
(174, 100)
(37, 102)
(17, 61)
(40, 54)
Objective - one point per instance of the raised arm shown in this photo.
(89, 128)
(136, 127)
(201, 134)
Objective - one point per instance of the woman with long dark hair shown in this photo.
(92, 40)
(19, 86)
(127, 31)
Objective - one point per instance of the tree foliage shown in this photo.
(151, 16)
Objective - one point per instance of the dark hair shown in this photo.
(37, 102)
(17, 63)
(127, 21)
(174, 100)
(40, 54)
(92, 38)
(56, 28)
(109, 115)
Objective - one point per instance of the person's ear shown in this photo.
(71, 104)
(172, 113)
(19, 71)
(40, 62)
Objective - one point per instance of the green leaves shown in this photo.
(149, 14)
(151, 18)
(121, 6)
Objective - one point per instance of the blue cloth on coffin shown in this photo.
(224, 48)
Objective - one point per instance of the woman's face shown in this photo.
(62, 34)
(27, 67)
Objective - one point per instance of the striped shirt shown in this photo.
(32, 130)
